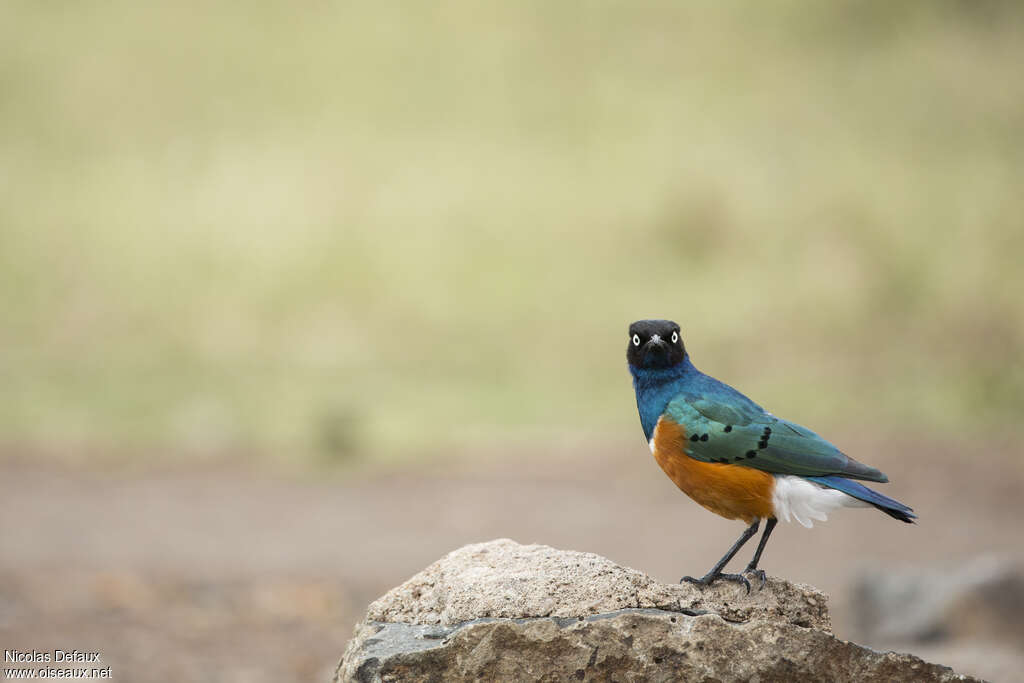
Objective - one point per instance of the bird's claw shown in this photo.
(758, 573)
(708, 579)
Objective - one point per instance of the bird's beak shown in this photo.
(655, 345)
(656, 342)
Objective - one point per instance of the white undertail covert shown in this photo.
(803, 500)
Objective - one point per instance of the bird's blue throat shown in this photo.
(655, 387)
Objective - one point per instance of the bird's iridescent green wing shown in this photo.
(741, 433)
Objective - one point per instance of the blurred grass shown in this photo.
(355, 227)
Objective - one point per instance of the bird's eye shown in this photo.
(675, 336)
(636, 340)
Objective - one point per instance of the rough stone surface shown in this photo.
(505, 579)
(502, 611)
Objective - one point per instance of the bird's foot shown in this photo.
(708, 579)
(758, 573)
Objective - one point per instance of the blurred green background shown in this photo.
(325, 230)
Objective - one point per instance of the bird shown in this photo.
(735, 458)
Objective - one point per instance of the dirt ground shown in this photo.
(228, 572)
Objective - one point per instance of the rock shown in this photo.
(504, 611)
(969, 615)
(505, 579)
(982, 600)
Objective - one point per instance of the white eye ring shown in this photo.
(636, 340)
(675, 336)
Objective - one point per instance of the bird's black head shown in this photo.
(655, 344)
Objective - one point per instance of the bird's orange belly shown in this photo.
(732, 491)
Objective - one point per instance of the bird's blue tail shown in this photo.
(891, 507)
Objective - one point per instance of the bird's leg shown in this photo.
(752, 567)
(716, 571)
